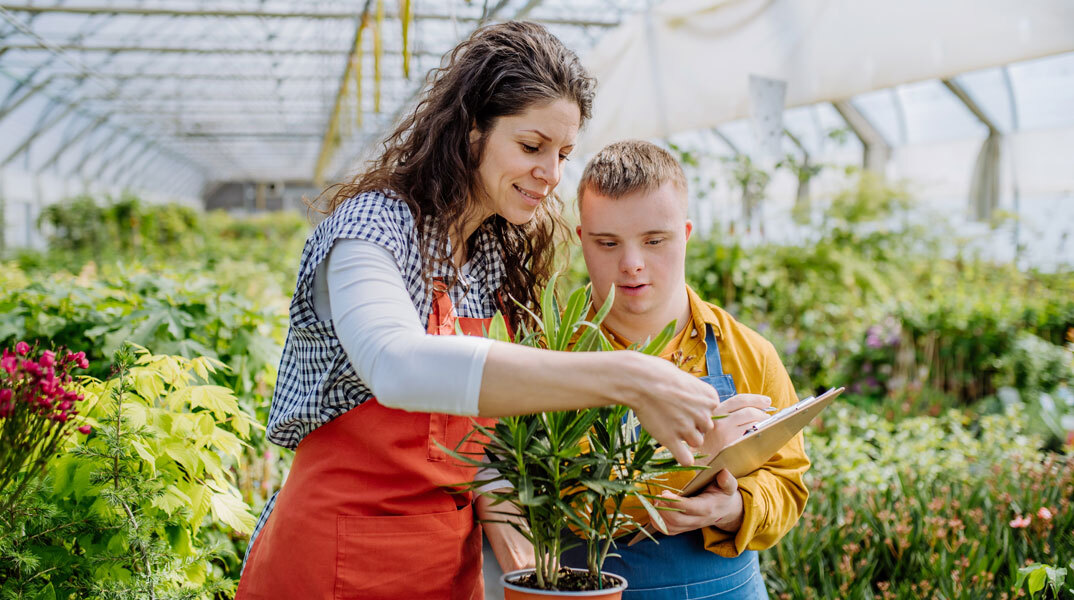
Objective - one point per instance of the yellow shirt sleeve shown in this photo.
(774, 496)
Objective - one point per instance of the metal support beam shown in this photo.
(112, 162)
(42, 128)
(337, 16)
(188, 50)
(122, 170)
(726, 140)
(23, 98)
(984, 184)
(137, 167)
(68, 144)
(234, 77)
(96, 151)
(877, 151)
(970, 104)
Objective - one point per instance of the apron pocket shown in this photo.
(406, 556)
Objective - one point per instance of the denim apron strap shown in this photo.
(724, 384)
(679, 567)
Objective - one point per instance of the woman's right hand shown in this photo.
(675, 407)
(739, 412)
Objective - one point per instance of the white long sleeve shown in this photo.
(360, 286)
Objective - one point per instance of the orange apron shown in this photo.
(365, 513)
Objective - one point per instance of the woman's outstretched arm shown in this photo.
(379, 329)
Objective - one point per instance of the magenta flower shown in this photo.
(48, 359)
(1021, 523)
(9, 363)
(22, 348)
(85, 429)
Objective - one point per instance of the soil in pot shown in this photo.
(571, 581)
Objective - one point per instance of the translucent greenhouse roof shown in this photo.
(179, 93)
(172, 95)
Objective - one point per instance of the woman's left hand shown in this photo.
(719, 505)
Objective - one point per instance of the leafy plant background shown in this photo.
(958, 423)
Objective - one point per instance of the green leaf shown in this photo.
(181, 453)
(81, 481)
(498, 328)
(578, 302)
(196, 573)
(654, 514)
(233, 512)
(227, 442)
(550, 311)
(220, 400)
(46, 593)
(117, 544)
(1036, 580)
(1056, 577)
(200, 502)
(657, 344)
(147, 383)
(171, 500)
(143, 451)
(63, 470)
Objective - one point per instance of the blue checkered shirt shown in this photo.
(316, 382)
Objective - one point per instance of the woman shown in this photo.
(454, 221)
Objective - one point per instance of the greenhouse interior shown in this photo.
(875, 196)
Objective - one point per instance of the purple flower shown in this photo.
(874, 341)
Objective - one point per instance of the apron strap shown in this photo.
(712, 353)
(723, 382)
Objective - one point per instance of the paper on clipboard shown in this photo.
(751, 451)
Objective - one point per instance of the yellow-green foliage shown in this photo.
(137, 509)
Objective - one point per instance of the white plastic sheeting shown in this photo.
(685, 64)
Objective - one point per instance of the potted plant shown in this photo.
(576, 468)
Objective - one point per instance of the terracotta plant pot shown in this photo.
(512, 591)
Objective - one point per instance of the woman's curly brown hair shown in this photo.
(431, 164)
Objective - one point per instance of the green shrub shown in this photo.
(948, 507)
(123, 514)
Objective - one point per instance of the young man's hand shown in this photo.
(719, 505)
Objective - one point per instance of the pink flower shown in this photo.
(22, 348)
(48, 358)
(9, 363)
(1044, 513)
(6, 405)
(85, 429)
(31, 367)
(1020, 523)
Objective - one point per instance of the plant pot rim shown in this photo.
(622, 585)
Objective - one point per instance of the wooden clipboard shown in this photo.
(751, 451)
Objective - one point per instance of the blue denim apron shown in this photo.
(679, 567)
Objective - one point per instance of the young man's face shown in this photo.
(638, 244)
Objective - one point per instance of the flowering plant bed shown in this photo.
(38, 408)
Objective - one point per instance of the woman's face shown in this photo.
(524, 156)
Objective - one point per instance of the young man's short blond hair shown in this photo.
(630, 166)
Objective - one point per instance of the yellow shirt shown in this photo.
(774, 496)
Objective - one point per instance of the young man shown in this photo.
(632, 202)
